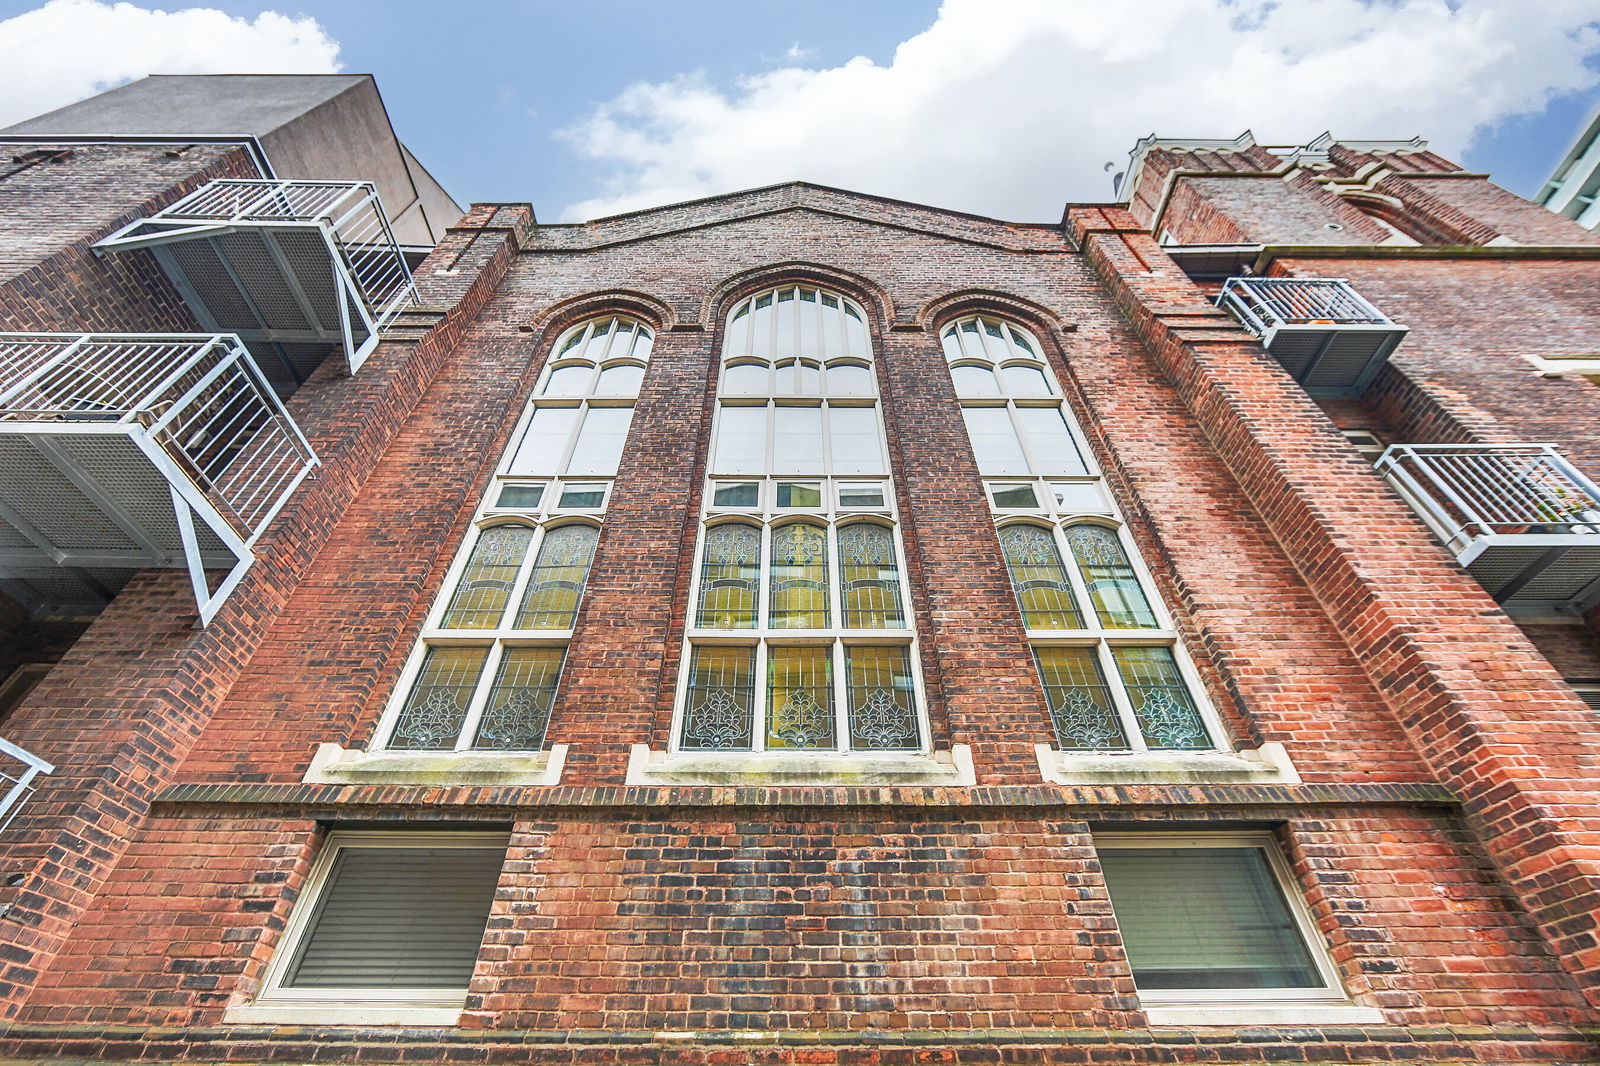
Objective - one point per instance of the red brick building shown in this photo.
(802, 627)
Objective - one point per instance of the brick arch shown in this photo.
(556, 318)
(863, 290)
(937, 313)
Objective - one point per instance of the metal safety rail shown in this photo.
(1520, 517)
(19, 768)
(1327, 336)
(292, 267)
(122, 451)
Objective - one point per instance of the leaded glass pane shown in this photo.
(517, 713)
(797, 440)
(741, 444)
(485, 586)
(853, 433)
(722, 694)
(883, 714)
(799, 577)
(847, 379)
(559, 573)
(545, 442)
(431, 719)
(730, 570)
(869, 578)
(1205, 918)
(748, 378)
(994, 441)
(1054, 450)
(568, 381)
(623, 380)
(1039, 578)
(1161, 702)
(974, 381)
(800, 698)
(600, 441)
(1025, 381)
(1113, 585)
(1080, 703)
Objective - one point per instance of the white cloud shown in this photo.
(1012, 107)
(70, 49)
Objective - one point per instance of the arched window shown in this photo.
(800, 638)
(484, 673)
(1111, 667)
(580, 414)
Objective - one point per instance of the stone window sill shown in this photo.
(1256, 1015)
(793, 769)
(335, 765)
(430, 1015)
(1266, 765)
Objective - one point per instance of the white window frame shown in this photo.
(1211, 1006)
(1050, 515)
(545, 515)
(497, 640)
(767, 516)
(419, 1006)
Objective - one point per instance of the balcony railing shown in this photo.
(292, 267)
(1326, 335)
(1522, 519)
(19, 769)
(120, 451)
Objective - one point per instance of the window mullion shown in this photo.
(758, 709)
(519, 587)
(480, 696)
(1122, 699)
(841, 708)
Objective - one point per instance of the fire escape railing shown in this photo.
(1329, 337)
(1520, 517)
(276, 289)
(94, 413)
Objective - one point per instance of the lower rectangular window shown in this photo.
(1213, 918)
(394, 919)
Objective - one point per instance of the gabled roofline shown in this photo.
(798, 184)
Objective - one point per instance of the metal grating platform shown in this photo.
(1330, 340)
(122, 451)
(1519, 517)
(296, 269)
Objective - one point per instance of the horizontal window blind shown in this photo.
(398, 918)
(1205, 918)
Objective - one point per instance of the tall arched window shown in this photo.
(1113, 672)
(800, 638)
(485, 672)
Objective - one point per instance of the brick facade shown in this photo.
(1442, 832)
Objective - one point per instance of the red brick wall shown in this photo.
(52, 212)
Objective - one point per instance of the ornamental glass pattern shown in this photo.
(1076, 579)
(485, 673)
(800, 636)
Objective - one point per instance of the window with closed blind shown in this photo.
(393, 919)
(1213, 917)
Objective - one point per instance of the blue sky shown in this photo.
(1011, 115)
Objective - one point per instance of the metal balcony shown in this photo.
(293, 268)
(1329, 339)
(122, 451)
(1519, 517)
(19, 768)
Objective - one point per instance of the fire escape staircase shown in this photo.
(123, 451)
(295, 269)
